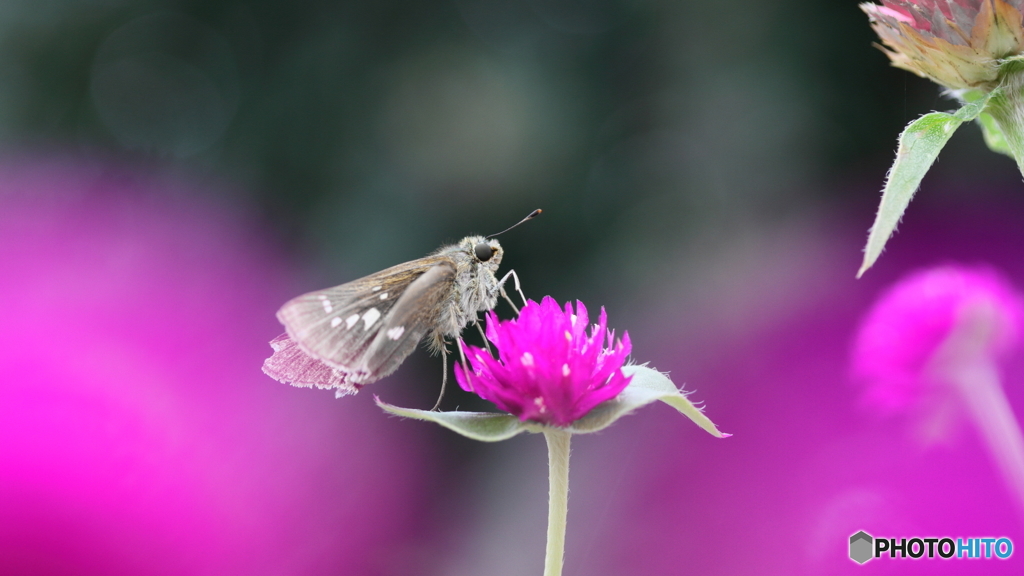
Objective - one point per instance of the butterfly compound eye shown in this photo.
(483, 251)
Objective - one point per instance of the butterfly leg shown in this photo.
(444, 378)
(462, 353)
(515, 279)
(509, 300)
(487, 344)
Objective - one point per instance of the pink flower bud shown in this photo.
(956, 43)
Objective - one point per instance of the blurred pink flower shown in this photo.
(907, 325)
(548, 370)
(137, 438)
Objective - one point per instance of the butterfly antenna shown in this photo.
(529, 216)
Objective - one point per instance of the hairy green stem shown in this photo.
(1007, 109)
(558, 498)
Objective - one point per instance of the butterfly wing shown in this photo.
(289, 364)
(412, 317)
(336, 329)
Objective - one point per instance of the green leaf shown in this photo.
(482, 426)
(919, 145)
(647, 386)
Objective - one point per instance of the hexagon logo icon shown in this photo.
(860, 547)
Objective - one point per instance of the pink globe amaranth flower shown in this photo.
(956, 43)
(548, 369)
(913, 319)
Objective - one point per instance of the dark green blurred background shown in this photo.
(369, 132)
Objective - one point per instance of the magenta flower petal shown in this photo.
(548, 369)
(914, 318)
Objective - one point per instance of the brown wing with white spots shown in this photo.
(336, 326)
(411, 318)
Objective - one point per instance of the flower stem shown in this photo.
(1007, 109)
(967, 364)
(991, 412)
(558, 498)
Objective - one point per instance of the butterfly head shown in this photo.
(484, 251)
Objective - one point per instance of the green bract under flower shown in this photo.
(646, 385)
